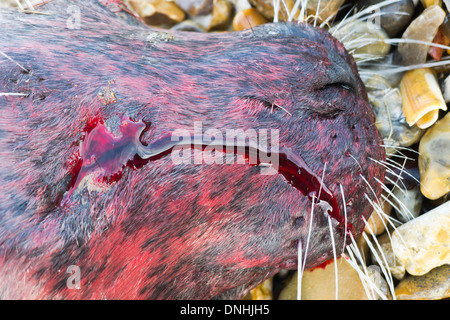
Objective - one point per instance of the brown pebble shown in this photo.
(247, 19)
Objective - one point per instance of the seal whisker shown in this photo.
(359, 265)
(401, 148)
(344, 204)
(334, 257)
(410, 215)
(11, 59)
(317, 13)
(300, 269)
(382, 262)
(367, 11)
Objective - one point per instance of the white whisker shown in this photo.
(384, 266)
(317, 13)
(334, 256)
(300, 270)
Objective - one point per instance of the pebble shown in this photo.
(195, 7)
(247, 19)
(189, 25)
(394, 17)
(386, 102)
(320, 284)
(396, 268)
(408, 203)
(263, 291)
(240, 5)
(219, 18)
(327, 9)
(362, 39)
(422, 28)
(158, 12)
(432, 286)
(434, 159)
(265, 7)
(424, 243)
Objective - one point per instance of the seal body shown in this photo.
(162, 230)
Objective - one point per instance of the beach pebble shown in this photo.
(195, 7)
(422, 28)
(431, 286)
(265, 7)
(247, 19)
(263, 291)
(219, 18)
(394, 17)
(408, 203)
(189, 25)
(396, 268)
(158, 12)
(320, 284)
(362, 38)
(240, 5)
(386, 102)
(424, 243)
(327, 9)
(434, 159)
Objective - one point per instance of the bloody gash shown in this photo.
(89, 188)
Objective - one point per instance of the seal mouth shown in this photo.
(105, 155)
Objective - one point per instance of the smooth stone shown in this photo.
(396, 268)
(265, 7)
(161, 13)
(364, 39)
(446, 89)
(189, 25)
(434, 159)
(423, 244)
(386, 102)
(263, 291)
(391, 20)
(320, 284)
(377, 222)
(219, 18)
(240, 5)
(247, 19)
(327, 10)
(8, 4)
(408, 203)
(195, 7)
(422, 28)
(432, 286)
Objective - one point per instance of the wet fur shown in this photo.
(170, 231)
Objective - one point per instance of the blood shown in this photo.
(107, 155)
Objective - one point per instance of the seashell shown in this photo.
(434, 160)
(429, 3)
(422, 97)
(423, 28)
(386, 102)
